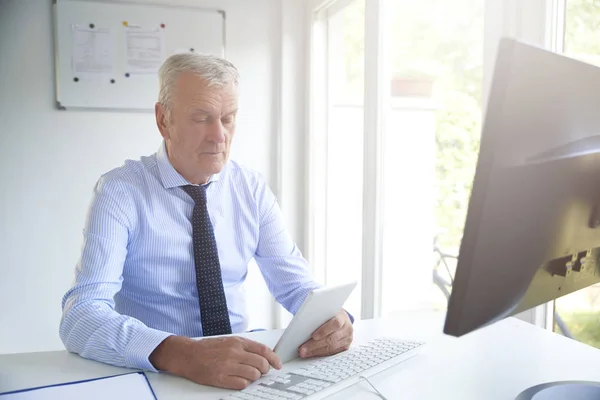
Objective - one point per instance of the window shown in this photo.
(431, 145)
(419, 150)
(337, 149)
(577, 313)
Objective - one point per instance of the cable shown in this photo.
(374, 388)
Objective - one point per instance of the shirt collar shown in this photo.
(169, 176)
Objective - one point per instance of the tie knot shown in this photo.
(197, 193)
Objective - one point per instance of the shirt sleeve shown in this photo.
(285, 270)
(90, 326)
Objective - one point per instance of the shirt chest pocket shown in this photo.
(237, 241)
(163, 259)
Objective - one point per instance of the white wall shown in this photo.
(51, 159)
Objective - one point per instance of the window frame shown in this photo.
(316, 161)
(539, 22)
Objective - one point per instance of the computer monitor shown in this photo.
(532, 231)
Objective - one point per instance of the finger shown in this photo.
(328, 351)
(256, 361)
(244, 371)
(263, 351)
(331, 349)
(309, 347)
(334, 324)
(234, 383)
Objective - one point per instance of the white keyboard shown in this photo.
(327, 376)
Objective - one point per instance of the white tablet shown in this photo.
(319, 307)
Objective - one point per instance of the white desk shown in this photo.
(497, 362)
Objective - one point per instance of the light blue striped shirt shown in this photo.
(135, 283)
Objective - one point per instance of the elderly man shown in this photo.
(168, 239)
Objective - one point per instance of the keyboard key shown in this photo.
(252, 390)
(305, 385)
(295, 389)
(275, 392)
(243, 396)
(305, 373)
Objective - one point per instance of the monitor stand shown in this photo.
(572, 390)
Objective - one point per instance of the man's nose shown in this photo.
(217, 132)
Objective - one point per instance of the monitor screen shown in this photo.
(532, 231)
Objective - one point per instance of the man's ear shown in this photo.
(162, 120)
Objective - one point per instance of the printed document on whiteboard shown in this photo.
(93, 52)
(145, 50)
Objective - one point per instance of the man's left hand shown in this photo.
(333, 337)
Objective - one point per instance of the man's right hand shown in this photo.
(228, 362)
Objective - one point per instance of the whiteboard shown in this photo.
(107, 53)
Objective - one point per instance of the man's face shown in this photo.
(201, 126)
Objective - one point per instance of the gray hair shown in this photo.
(217, 71)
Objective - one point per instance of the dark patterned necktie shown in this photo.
(213, 304)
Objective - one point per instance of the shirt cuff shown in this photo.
(140, 347)
(350, 316)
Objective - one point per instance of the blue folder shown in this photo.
(40, 388)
